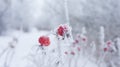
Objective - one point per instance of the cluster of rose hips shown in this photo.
(108, 43)
(61, 31)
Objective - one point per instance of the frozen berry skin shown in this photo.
(44, 41)
(60, 31)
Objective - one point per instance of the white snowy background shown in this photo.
(26, 20)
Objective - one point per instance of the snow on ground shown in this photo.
(23, 47)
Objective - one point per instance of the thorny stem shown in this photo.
(101, 59)
(9, 57)
(77, 58)
(38, 48)
(5, 63)
(87, 60)
(29, 57)
(70, 60)
(59, 52)
(3, 52)
(66, 11)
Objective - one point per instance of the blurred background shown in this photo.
(48, 14)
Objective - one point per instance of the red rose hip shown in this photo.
(60, 31)
(44, 41)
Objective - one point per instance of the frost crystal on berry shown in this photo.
(44, 41)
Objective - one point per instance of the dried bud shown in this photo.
(78, 48)
(72, 53)
(105, 49)
(66, 53)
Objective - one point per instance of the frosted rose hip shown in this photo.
(60, 31)
(44, 41)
